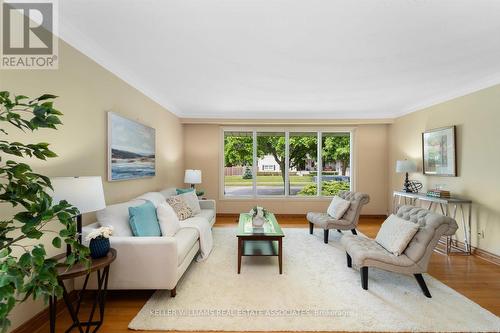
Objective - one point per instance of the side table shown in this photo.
(101, 268)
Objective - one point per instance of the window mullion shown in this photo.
(287, 163)
(320, 165)
(254, 164)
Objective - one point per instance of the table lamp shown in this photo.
(192, 177)
(406, 166)
(85, 193)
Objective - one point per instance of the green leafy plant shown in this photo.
(25, 269)
(328, 188)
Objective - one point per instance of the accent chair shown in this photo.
(363, 252)
(347, 222)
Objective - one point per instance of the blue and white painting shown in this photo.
(131, 149)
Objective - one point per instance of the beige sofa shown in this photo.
(148, 262)
(363, 252)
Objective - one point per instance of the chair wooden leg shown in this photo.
(349, 260)
(354, 231)
(173, 292)
(423, 286)
(364, 277)
(311, 228)
(326, 231)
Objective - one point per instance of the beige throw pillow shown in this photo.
(168, 219)
(395, 234)
(180, 207)
(338, 207)
(192, 201)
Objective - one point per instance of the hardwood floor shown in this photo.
(473, 277)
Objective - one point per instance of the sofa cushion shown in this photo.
(169, 222)
(185, 239)
(365, 252)
(155, 197)
(180, 207)
(395, 234)
(143, 220)
(168, 192)
(338, 207)
(117, 217)
(208, 214)
(183, 190)
(192, 201)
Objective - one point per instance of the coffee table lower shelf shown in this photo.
(255, 246)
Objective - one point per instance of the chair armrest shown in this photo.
(207, 204)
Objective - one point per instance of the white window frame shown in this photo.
(286, 130)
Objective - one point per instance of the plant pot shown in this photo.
(99, 247)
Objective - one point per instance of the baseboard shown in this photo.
(42, 317)
(485, 255)
(368, 216)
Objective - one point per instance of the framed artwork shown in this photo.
(439, 152)
(131, 149)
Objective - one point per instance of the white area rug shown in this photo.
(212, 296)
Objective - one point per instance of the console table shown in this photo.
(444, 204)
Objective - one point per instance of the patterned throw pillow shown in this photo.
(180, 207)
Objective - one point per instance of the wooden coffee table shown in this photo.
(265, 241)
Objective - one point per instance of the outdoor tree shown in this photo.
(26, 271)
(238, 151)
(337, 148)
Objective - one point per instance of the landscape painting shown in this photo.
(439, 152)
(131, 149)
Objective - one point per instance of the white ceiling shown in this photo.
(291, 59)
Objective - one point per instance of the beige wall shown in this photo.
(86, 92)
(477, 117)
(202, 144)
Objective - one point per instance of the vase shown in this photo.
(99, 247)
(258, 222)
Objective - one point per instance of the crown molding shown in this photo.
(301, 122)
(486, 83)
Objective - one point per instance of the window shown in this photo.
(302, 168)
(271, 152)
(294, 163)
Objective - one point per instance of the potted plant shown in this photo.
(99, 242)
(26, 271)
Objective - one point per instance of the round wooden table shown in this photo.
(101, 267)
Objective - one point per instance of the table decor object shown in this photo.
(99, 242)
(259, 216)
(407, 166)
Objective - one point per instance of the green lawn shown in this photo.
(266, 180)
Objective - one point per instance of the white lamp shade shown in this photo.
(192, 176)
(85, 193)
(405, 166)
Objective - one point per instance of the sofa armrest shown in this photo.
(207, 204)
(144, 261)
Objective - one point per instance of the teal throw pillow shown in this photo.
(183, 190)
(143, 220)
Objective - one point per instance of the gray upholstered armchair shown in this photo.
(348, 222)
(363, 252)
